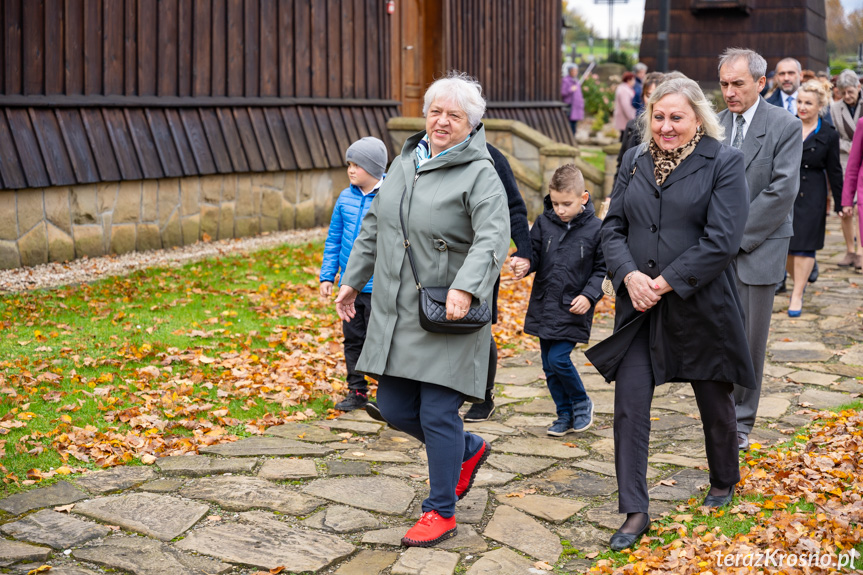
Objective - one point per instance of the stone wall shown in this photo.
(64, 223)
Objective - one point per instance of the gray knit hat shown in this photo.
(370, 154)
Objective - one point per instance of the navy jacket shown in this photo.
(568, 262)
(348, 214)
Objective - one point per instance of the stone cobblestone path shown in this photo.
(336, 496)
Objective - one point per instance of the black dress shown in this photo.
(819, 165)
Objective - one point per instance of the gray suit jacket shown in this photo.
(845, 124)
(772, 150)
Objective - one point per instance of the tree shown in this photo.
(577, 29)
(840, 39)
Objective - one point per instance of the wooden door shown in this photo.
(419, 51)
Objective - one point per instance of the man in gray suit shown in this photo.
(770, 139)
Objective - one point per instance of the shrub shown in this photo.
(624, 58)
(598, 98)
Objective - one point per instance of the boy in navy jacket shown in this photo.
(367, 159)
(567, 258)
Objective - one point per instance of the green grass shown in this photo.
(62, 348)
(593, 156)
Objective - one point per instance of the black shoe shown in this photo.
(375, 413)
(620, 541)
(354, 400)
(742, 441)
(480, 411)
(813, 277)
(780, 287)
(717, 501)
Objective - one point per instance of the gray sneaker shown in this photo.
(582, 416)
(561, 426)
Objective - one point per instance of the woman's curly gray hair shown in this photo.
(690, 90)
(461, 89)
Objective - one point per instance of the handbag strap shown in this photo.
(407, 242)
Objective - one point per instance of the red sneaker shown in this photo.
(430, 530)
(469, 469)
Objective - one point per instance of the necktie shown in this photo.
(789, 104)
(738, 134)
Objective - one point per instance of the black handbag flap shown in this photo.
(437, 294)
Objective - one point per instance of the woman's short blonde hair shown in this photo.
(821, 92)
(463, 90)
(697, 100)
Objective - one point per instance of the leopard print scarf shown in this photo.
(664, 161)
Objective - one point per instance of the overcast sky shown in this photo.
(628, 17)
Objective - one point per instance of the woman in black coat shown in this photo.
(674, 225)
(820, 157)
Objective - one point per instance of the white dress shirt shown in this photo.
(747, 115)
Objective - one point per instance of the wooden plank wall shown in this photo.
(95, 62)
(513, 48)
(774, 28)
(284, 48)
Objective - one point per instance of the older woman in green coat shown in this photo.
(457, 220)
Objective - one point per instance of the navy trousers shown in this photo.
(429, 412)
(633, 393)
(563, 381)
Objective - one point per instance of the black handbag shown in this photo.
(432, 300)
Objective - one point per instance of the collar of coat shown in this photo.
(706, 150)
(579, 220)
(474, 149)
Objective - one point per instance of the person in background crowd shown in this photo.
(769, 86)
(443, 193)
(367, 159)
(570, 92)
(623, 109)
(770, 141)
(640, 71)
(847, 111)
(788, 74)
(837, 95)
(852, 189)
(677, 216)
(631, 134)
(820, 157)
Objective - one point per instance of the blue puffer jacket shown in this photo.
(348, 214)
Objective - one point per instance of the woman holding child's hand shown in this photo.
(674, 225)
(444, 192)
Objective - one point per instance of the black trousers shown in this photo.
(633, 394)
(355, 337)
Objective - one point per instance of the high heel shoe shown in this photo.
(797, 312)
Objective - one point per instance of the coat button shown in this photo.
(651, 264)
(610, 275)
(802, 177)
(692, 281)
(805, 165)
(653, 228)
(655, 194)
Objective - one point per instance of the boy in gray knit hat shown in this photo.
(367, 159)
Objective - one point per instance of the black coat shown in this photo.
(568, 262)
(820, 157)
(689, 232)
(519, 227)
